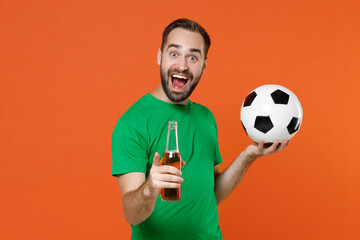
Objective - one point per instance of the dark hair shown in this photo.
(188, 25)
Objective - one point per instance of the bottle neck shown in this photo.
(172, 138)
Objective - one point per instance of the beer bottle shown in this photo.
(171, 157)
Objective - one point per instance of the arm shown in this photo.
(139, 195)
(226, 181)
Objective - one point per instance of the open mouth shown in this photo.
(179, 82)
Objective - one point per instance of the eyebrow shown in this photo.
(179, 46)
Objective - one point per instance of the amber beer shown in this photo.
(171, 157)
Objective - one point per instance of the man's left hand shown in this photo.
(256, 150)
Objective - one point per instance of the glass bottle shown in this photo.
(171, 157)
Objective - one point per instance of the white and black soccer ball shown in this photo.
(270, 113)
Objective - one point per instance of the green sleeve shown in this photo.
(128, 147)
(218, 158)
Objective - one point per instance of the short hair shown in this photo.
(188, 25)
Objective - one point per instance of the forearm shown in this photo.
(139, 204)
(226, 182)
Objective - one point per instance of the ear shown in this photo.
(205, 64)
(159, 57)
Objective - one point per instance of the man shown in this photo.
(140, 135)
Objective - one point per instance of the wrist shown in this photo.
(249, 155)
(148, 191)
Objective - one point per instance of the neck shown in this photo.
(160, 94)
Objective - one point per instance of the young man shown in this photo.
(140, 135)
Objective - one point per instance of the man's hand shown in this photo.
(163, 176)
(256, 150)
(139, 195)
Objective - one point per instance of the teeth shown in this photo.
(178, 76)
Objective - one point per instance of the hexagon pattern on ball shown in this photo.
(271, 112)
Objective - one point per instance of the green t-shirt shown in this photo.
(141, 132)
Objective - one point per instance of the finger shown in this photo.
(156, 160)
(283, 145)
(170, 178)
(261, 145)
(161, 184)
(182, 163)
(169, 169)
(272, 148)
(169, 185)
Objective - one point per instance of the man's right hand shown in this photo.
(163, 176)
(139, 195)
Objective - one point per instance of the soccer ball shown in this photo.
(270, 113)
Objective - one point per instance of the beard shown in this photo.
(178, 96)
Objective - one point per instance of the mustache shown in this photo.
(186, 72)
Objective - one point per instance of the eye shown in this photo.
(173, 54)
(193, 58)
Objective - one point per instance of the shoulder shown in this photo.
(137, 108)
(203, 110)
(138, 113)
(134, 117)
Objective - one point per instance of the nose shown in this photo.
(183, 64)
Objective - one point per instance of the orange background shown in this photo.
(70, 69)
